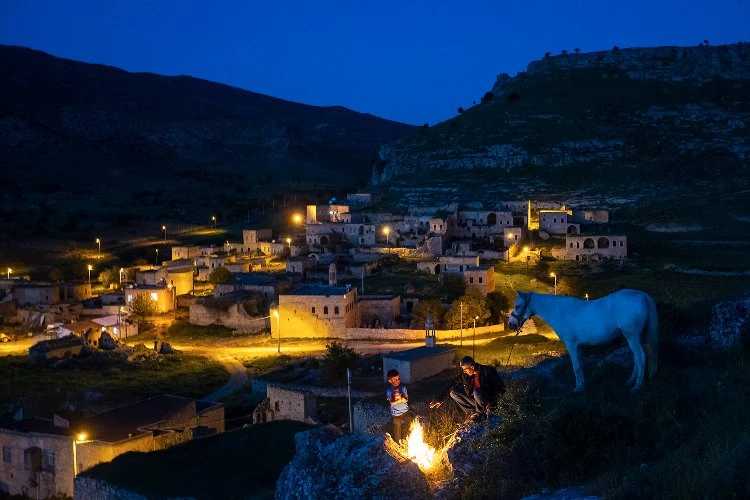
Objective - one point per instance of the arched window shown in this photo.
(602, 243)
(325, 309)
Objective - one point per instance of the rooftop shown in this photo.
(419, 353)
(319, 289)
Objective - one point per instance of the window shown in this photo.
(471, 280)
(49, 460)
(6, 455)
(325, 309)
(480, 279)
(313, 310)
(336, 310)
(154, 296)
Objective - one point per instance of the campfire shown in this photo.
(417, 450)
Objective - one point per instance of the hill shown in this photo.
(662, 130)
(76, 137)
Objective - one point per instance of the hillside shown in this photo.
(659, 130)
(76, 136)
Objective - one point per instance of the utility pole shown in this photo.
(462, 324)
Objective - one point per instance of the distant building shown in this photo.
(316, 310)
(417, 364)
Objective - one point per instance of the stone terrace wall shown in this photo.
(87, 488)
(406, 334)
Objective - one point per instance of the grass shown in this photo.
(42, 388)
(244, 463)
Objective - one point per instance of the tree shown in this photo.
(498, 305)
(547, 54)
(453, 285)
(142, 306)
(426, 307)
(577, 50)
(335, 362)
(564, 51)
(220, 275)
(460, 110)
(109, 276)
(474, 306)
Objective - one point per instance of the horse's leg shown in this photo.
(577, 371)
(639, 362)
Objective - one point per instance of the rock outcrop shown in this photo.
(730, 324)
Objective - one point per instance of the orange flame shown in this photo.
(419, 452)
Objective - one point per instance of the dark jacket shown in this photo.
(489, 381)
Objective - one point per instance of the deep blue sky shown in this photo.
(413, 61)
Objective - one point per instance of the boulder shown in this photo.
(107, 341)
(329, 464)
(730, 324)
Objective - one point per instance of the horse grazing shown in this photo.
(576, 321)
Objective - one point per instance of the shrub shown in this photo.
(335, 362)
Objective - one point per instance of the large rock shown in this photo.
(730, 324)
(328, 464)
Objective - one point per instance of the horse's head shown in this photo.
(521, 311)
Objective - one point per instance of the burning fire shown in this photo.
(419, 452)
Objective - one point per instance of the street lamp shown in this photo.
(278, 327)
(297, 218)
(474, 337)
(213, 218)
(121, 271)
(387, 231)
(156, 258)
(9, 271)
(462, 324)
(553, 275)
(99, 243)
(289, 241)
(528, 257)
(79, 438)
(164, 228)
(90, 268)
(587, 297)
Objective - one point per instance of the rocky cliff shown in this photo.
(598, 118)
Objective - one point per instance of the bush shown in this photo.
(335, 362)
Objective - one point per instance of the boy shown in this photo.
(398, 397)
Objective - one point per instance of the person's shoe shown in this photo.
(477, 417)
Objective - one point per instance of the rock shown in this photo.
(166, 348)
(730, 324)
(140, 352)
(107, 342)
(328, 464)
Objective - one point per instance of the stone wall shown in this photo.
(87, 488)
(235, 317)
(369, 417)
(407, 334)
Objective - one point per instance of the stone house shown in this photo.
(252, 237)
(31, 293)
(181, 279)
(299, 265)
(419, 363)
(74, 291)
(269, 285)
(66, 347)
(318, 214)
(558, 222)
(482, 223)
(316, 310)
(189, 252)
(481, 278)
(290, 404)
(42, 456)
(151, 275)
(164, 296)
(379, 311)
(585, 247)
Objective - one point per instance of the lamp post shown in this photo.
(297, 218)
(387, 231)
(462, 325)
(156, 258)
(278, 327)
(553, 275)
(474, 337)
(121, 271)
(90, 268)
(213, 218)
(587, 297)
(99, 244)
(9, 271)
(79, 438)
(289, 242)
(528, 257)
(164, 228)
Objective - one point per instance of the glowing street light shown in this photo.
(553, 275)
(297, 218)
(164, 228)
(474, 337)
(587, 297)
(99, 243)
(156, 258)
(90, 268)
(9, 271)
(213, 218)
(121, 271)
(462, 324)
(289, 241)
(387, 231)
(278, 328)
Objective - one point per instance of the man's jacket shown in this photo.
(489, 382)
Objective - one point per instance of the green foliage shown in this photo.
(142, 306)
(110, 276)
(498, 304)
(426, 307)
(220, 275)
(335, 362)
(453, 285)
(474, 306)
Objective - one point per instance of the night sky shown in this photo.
(412, 61)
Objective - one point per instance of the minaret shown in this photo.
(332, 274)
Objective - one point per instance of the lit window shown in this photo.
(154, 296)
(130, 298)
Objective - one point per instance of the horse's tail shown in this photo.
(652, 338)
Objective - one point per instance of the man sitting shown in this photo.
(475, 389)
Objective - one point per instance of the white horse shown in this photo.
(576, 321)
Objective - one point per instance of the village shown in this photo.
(308, 284)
